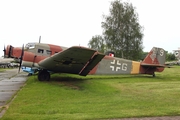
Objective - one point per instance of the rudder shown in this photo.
(155, 57)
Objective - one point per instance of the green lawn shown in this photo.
(2, 69)
(98, 97)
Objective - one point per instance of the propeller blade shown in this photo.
(21, 58)
(4, 51)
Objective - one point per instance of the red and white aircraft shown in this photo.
(80, 60)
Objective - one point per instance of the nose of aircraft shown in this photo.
(8, 51)
(12, 52)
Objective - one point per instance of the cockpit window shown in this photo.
(40, 51)
(48, 52)
(30, 46)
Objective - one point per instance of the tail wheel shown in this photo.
(43, 75)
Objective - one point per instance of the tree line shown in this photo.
(122, 33)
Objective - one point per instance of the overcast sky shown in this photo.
(74, 22)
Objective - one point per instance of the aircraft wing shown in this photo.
(75, 60)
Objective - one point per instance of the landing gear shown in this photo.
(43, 75)
(153, 75)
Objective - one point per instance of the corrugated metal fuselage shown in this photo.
(83, 61)
(112, 65)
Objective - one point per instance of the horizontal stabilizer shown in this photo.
(155, 65)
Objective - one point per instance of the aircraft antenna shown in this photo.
(39, 39)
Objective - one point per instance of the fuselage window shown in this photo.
(30, 46)
(40, 51)
(48, 52)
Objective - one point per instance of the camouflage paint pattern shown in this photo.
(113, 65)
(83, 61)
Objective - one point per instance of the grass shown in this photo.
(98, 97)
(2, 69)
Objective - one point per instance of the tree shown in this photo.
(97, 43)
(170, 57)
(122, 32)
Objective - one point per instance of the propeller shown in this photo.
(21, 57)
(39, 39)
(4, 51)
(10, 48)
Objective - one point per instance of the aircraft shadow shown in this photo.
(76, 82)
(68, 81)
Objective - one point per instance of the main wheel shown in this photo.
(43, 75)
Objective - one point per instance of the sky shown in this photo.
(74, 22)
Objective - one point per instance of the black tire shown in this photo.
(43, 75)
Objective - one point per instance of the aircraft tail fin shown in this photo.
(154, 61)
(156, 57)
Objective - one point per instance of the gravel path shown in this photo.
(10, 83)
